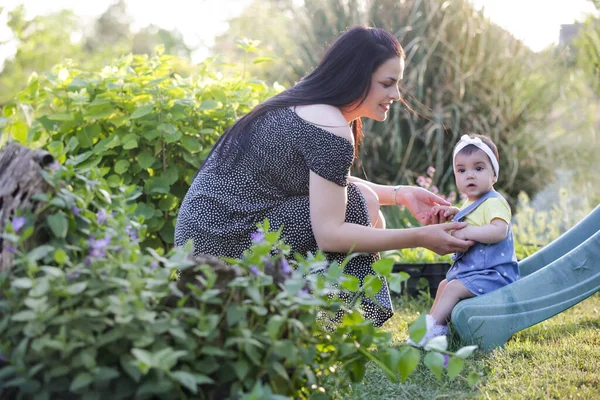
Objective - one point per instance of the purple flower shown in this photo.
(257, 237)
(435, 189)
(11, 249)
(75, 211)
(133, 235)
(98, 247)
(285, 267)
(101, 215)
(421, 181)
(2, 358)
(153, 264)
(73, 275)
(18, 223)
(302, 292)
(254, 270)
(430, 171)
(446, 359)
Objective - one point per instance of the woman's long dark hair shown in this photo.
(342, 77)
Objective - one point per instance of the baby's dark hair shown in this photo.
(468, 150)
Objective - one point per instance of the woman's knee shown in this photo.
(373, 205)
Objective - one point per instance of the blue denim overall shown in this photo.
(485, 267)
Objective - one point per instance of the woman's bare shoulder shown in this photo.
(326, 117)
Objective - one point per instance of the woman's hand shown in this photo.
(420, 202)
(438, 238)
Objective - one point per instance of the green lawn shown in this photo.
(556, 359)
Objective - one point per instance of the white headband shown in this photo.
(465, 140)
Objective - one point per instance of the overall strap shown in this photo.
(466, 211)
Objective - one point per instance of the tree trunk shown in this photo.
(20, 180)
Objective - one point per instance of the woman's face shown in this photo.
(384, 90)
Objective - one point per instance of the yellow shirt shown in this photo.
(491, 208)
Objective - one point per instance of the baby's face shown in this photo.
(474, 174)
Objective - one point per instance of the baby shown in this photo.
(489, 264)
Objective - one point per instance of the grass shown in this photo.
(556, 359)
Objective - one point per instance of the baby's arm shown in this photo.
(490, 233)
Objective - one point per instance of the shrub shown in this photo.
(88, 314)
(138, 121)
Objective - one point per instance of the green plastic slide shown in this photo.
(557, 277)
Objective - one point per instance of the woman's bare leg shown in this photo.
(453, 292)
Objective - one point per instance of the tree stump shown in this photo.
(20, 180)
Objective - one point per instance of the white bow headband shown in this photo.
(465, 140)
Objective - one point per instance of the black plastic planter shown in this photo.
(434, 273)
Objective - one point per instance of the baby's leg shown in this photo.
(440, 290)
(453, 292)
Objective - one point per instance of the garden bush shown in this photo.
(138, 121)
(88, 314)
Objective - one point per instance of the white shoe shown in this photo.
(432, 330)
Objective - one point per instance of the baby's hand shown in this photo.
(444, 213)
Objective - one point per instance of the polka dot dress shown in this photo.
(226, 200)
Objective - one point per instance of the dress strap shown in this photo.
(466, 211)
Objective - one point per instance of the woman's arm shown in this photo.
(328, 213)
(420, 202)
(489, 234)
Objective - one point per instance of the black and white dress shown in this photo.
(224, 204)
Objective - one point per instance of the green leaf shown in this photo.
(208, 105)
(100, 111)
(417, 329)
(18, 131)
(409, 359)
(22, 283)
(466, 351)
(61, 117)
(395, 281)
(384, 266)
(146, 159)
(438, 343)
(88, 135)
(235, 314)
(170, 133)
(186, 379)
(241, 368)
(40, 252)
(274, 326)
(191, 143)
(350, 282)
(122, 166)
(77, 288)
(372, 285)
(53, 271)
(435, 363)
(455, 365)
(142, 355)
(262, 60)
(22, 316)
(280, 370)
(142, 111)
(357, 370)
(58, 224)
(82, 380)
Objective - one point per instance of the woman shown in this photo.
(289, 159)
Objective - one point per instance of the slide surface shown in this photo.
(554, 279)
